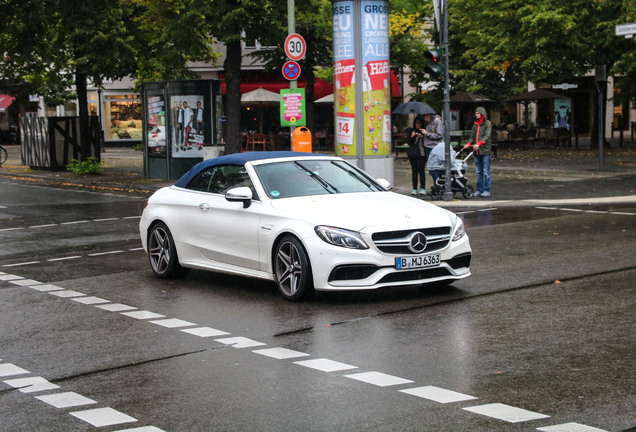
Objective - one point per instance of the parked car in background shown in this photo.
(304, 221)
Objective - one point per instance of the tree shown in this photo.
(503, 44)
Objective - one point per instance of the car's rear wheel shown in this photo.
(292, 268)
(162, 252)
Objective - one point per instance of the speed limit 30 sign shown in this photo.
(295, 47)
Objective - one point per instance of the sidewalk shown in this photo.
(519, 177)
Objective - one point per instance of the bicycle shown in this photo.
(3, 155)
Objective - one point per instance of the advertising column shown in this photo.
(344, 85)
(362, 75)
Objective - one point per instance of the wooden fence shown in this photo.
(52, 142)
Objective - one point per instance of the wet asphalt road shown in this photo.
(539, 337)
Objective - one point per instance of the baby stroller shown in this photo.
(459, 182)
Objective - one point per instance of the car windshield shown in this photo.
(313, 177)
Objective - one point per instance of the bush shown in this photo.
(89, 166)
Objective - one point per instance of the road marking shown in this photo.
(64, 258)
(25, 282)
(132, 217)
(280, 353)
(45, 287)
(67, 293)
(506, 413)
(172, 323)
(622, 213)
(496, 410)
(100, 417)
(105, 219)
(239, 342)
(31, 384)
(91, 300)
(9, 369)
(43, 226)
(21, 264)
(142, 315)
(105, 253)
(438, 394)
(205, 332)
(75, 222)
(116, 307)
(570, 427)
(9, 277)
(379, 379)
(65, 400)
(325, 365)
(11, 229)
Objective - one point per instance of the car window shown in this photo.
(313, 177)
(219, 179)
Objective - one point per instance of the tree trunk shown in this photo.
(85, 140)
(232, 67)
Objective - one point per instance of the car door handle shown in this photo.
(204, 206)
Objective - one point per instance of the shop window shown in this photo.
(122, 117)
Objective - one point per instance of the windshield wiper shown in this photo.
(324, 183)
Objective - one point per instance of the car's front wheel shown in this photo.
(162, 252)
(292, 268)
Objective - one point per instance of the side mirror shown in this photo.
(384, 183)
(240, 194)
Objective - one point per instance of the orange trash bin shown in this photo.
(301, 140)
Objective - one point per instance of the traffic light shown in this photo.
(434, 69)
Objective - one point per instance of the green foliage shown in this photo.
(90, 166)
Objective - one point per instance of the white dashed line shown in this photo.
(31, 384)
(438, 394)
(105, 253)
(142, 429)
(570, 427)
(46, 287)
(67, 293)
(240, 342)
(105, 220)
(116, 307)
(66, 400)
(205, 332)
(43, 226)
(101, 417)
(10, 229)
(21, 264)
(142, 315)
(280, 353)
(9, 369)
(9, 277)
(379, 379)
(64, 258)
(506, 413)
(90, 300)
(25, 282)
(75, 222)
(325, 365)
(173, 323)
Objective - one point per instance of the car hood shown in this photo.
(357, 211)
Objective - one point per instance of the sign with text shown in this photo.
(292, 107)
(295, 47)
(344, 84)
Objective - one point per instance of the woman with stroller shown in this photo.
(421, 143)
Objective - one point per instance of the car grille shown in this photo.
(397, 242)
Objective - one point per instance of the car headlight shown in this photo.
(458, 230)
(341, 237)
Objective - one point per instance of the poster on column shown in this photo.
(188, 125)
(344, 85)
(376, 74)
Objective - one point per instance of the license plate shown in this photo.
(419, 261)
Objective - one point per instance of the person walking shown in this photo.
(417, 156)
(480, 141)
